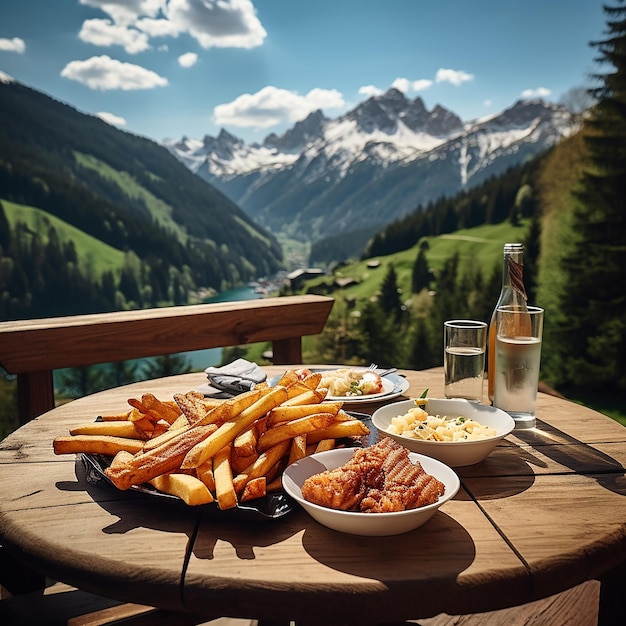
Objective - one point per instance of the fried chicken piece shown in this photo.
(377, 479)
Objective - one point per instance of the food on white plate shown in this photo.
(348, 382)
(418, 424)
(378, 479)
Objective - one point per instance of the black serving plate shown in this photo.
(272, 506)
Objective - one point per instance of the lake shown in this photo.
(204, 358)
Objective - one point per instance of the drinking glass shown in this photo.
(464, 358)
(518, 358)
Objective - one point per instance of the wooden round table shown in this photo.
(543, 513)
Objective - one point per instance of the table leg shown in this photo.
(612, 586)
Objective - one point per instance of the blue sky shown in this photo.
(168, 68)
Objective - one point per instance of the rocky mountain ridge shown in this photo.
(378, 162)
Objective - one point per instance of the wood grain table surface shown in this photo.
(543, 513)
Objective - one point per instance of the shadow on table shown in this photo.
(575, 455)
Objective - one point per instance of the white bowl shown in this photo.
(353, 522)
(452, 453)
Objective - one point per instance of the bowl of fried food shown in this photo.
(379, 490)
(455, 431)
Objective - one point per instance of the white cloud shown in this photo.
(156, 27)
(213, 23)
(111, 118)
(405, 85)
(370, 90)
(455, 77)
(126, 12)
(217, 23)
(540, 92)
(13, 45)
(105, 33)
(188, 59)
(271, 106)
(402, 84)
(105, 73)
(421, 85)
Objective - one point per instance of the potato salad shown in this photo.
(418, 424)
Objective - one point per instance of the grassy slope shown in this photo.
(476, 246)
(102, 257)
(159, 210)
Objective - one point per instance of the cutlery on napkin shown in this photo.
(236, 377)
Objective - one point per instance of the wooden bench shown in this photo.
(32, 349)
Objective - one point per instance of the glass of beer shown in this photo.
(464, 358)
(518, 358)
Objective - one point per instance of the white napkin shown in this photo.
(236, 377)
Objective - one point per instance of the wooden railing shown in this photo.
(32, 349)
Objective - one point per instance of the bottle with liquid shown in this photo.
(513, 292)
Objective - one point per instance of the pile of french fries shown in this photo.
(224, 451)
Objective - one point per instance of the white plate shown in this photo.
(354, 522)
(393, 386)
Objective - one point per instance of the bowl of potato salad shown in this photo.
(455, 431)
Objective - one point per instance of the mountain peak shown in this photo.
(5, 78)
(299, 136)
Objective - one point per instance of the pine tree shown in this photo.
(420, 278)
(390, 301)
(594, 302)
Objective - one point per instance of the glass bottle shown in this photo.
(513, 292)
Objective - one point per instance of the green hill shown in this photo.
(479, 247)
(162, 232)
(90, 250)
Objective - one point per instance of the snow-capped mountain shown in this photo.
(374, 164)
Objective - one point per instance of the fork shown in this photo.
(374, 368)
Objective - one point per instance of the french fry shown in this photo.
(115, 417)
(188, 488)
(205, 474)
(289, 378)
(274, 485)
(254, 489)
(136, 415)
(240, 463)
(350, 428)
(227, 432)
(144, 425)
(163, 459)
(160, 426)
(245, 442)
(192, 406)
(297, 450)
(161, 410)
(123, 456)
(114, 428)
(301, 394)
(261, 466)
(325, 444)
(96, 444)
(168, 435)
(222, 472)
(286, 412)
(180, 422)
(312, 380)
(227, 409)
(288, 430)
